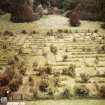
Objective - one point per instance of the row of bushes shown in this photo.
(80, 91)
(13, 75)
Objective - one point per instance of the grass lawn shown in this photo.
(46, 22)
(67, 102)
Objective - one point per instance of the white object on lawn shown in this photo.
(3, 100)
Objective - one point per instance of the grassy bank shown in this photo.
(67, 102)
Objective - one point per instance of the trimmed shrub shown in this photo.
(53, 49)
(14, 85)
(82, 91)
(102, 91)
(74, 19)
(84, 77)
(66, 94)
(70, 71)
(43, 86)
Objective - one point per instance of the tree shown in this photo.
(69, 4)
(75, 19)
(48, 3)
(21, 10)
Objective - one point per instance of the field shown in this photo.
(51, 43)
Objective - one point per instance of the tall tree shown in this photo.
(21, 10)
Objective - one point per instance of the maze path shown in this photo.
(79, 48)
